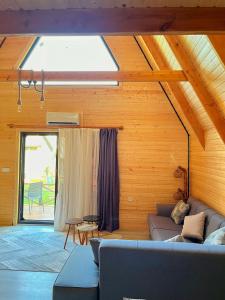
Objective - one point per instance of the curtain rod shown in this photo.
(60, 126)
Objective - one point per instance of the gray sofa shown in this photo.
(162, 227)
(151, 270)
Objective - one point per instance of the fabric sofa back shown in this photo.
(155, 270)
(213, 221)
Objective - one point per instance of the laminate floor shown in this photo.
(22, 285)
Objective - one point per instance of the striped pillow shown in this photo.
(180, 211)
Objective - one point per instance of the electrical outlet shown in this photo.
(130, 199)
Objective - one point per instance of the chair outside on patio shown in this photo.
(35, 194)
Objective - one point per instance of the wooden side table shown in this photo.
(72, 223)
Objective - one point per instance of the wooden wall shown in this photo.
(207, 167)
(152, 144)
(208, 171)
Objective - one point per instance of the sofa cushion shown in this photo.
(163, 234)
(193, 227)
(216, 238)
(222, 225)
(159, 222)
(180, 211)
(196, 206)
(214, 223)
(95, 243)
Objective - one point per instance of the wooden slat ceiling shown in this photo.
(64, 4)
(202, 59)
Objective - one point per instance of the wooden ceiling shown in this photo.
(64, 4)
(198, 60)
(202, 60)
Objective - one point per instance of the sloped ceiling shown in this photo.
(200, 50)
(64, 4)
(210, 67)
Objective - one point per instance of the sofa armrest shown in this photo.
(78, 278)
(158, 270)
(164, 210)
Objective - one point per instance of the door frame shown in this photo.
(23, 135)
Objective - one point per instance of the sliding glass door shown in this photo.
(38, 177)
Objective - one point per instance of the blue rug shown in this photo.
(33, 251)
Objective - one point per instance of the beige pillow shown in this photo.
(193, 227)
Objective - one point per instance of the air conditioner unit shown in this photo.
(61, 118)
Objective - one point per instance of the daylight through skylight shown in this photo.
(71, 53)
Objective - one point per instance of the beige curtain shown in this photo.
(78, 159)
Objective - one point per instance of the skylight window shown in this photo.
(71, 53)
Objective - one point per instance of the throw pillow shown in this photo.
(193, 227)
(216, 238)
(180, 211)
(95, 243)
(178, 238)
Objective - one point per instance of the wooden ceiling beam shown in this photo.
(150, 20)
(155, 55)
(218, 42)
(121, 76)
(198, 84)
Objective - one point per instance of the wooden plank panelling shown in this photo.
(218, 42)
(152, 144)
(212, 70)
(208, 171)
(154, 54)
(198, 84)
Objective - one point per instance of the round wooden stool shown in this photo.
(83, 231)
(72, 223)
(91, 219)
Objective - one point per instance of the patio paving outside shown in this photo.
(38, 213)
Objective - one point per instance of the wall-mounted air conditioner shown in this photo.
(61, 118)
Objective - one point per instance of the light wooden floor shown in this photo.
(118, 234)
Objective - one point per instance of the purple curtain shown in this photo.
(108, 181)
